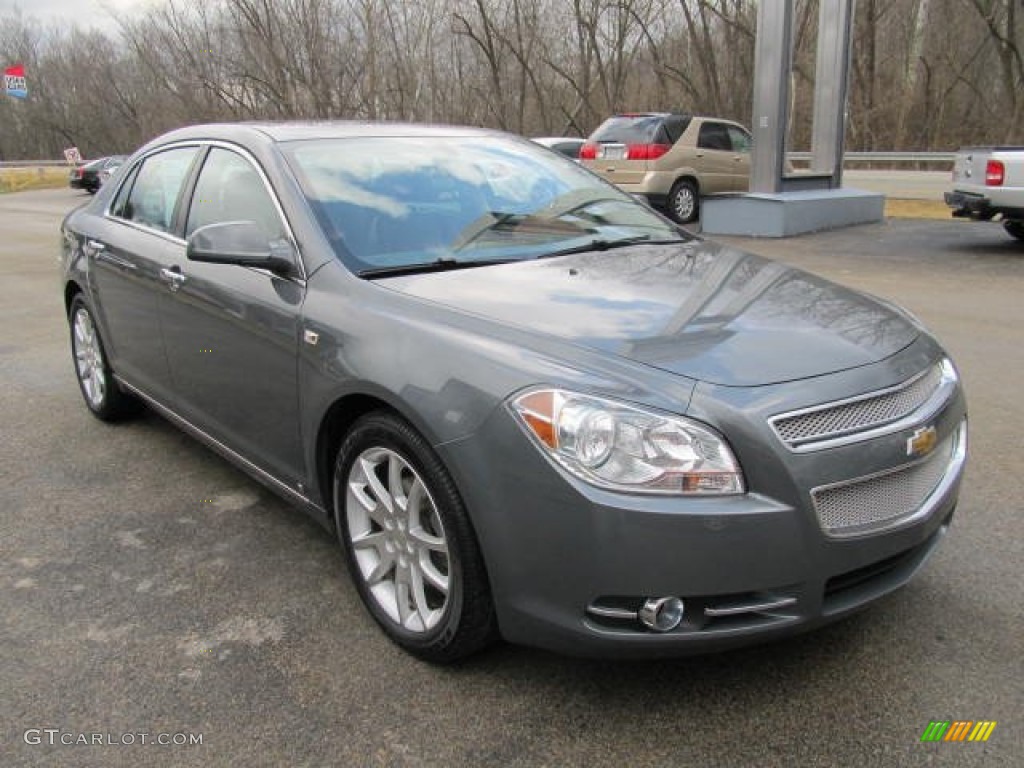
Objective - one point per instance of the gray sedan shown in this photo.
(529, 406)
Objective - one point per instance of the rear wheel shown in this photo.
(1015, 229)
(95, 379)
(409, 543)
(684, 201)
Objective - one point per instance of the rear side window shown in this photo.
(156, 188)
(629, 130)
(675, 127)
(569, 149)
(714, 136)
(230, 189)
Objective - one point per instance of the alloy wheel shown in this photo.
(397, 539)
(89, 363)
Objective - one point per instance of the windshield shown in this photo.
(391, 202)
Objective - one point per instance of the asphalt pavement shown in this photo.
(147, 587)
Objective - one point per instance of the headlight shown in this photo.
(625, 448)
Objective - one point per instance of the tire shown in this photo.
(412, 553)
(683, 202)
(1014, 229)
(104, 398)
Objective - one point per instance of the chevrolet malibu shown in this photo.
(529, 406)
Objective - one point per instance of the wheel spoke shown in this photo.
(402, 597)
(384, 566)
(375, 540)
(419, 596)
(428, 542)
(433, 576)
(395, 467)
(368, 468)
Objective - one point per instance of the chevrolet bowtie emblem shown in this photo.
(922, 442)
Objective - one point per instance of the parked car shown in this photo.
(564, 145)
(989, 182)
(91, 176)
(527, 404)
(671, 159)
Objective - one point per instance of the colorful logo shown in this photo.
(958, 730)
(14, 82)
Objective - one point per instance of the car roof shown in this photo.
(276, 132)
(546, 140)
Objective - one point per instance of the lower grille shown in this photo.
(867, 503)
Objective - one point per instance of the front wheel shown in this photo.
(409, 544)
(684, 202)
(1015, 229)
(105, 399)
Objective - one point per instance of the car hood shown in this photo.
(699, 309)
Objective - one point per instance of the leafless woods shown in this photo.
(927, 74)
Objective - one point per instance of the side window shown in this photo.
(714, 136)
(569, 149)
(117, 208)
(675, 127)
(230, 189)
(155, 189)
(740, 139)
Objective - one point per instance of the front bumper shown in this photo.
(749, 568)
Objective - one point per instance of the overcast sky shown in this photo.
(86, 13)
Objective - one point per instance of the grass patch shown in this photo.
(20, 179)
(917, 209)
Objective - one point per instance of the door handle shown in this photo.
(95, 245)
(173, 277)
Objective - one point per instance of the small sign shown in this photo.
(14, 82)
(73, 156)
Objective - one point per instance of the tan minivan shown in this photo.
(671, 159)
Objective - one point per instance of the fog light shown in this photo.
(662, 614)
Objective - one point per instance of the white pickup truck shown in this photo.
(989, 182)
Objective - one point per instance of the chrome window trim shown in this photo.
(954, 469)
(924, 412)
(201, 144)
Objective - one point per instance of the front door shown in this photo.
(232, 332)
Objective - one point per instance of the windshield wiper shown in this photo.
(421, 267)
(601, 244)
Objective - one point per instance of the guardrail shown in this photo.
(34, 164)
(884, 157)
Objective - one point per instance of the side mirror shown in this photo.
(242, 243)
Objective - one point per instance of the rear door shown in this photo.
(714, 158)
(232, 332)
(132, 246)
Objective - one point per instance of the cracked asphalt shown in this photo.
(146, 586)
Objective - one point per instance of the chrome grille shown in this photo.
(873, 410)
(880, 500)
